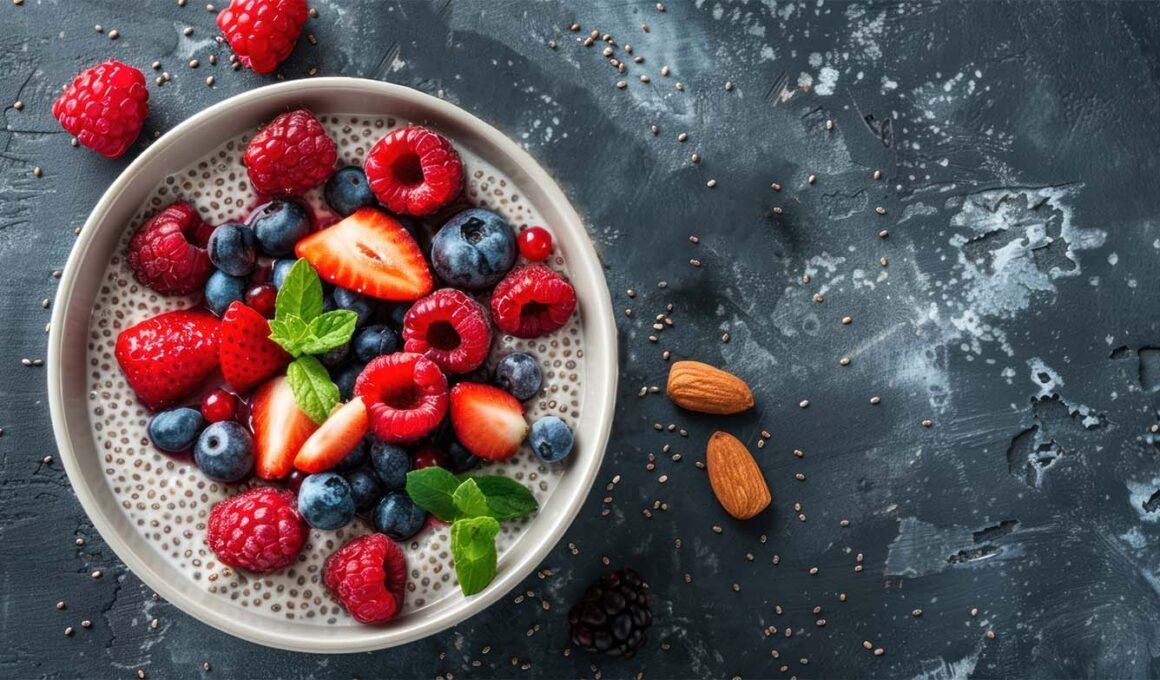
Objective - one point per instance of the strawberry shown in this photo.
(369, 252)
(165, 358)
(280, 428)
(487, 421)
(330, 443)
(248, 355)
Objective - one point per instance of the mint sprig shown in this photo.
(302, 329)
(475, 505)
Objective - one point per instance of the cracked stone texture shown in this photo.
(1016, 312)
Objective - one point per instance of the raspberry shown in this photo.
(532, 301)
(449, 328)
(166, 255)
(414, 171)
(291, 155)
(262, 32)
(105, 107)
(405, 394)
(369, 577)
(259, 530)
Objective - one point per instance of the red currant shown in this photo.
(219, 405)
(425, 458)
(535, 243)
(262, 298)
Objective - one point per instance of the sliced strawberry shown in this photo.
(487, 421)
(280, 428)
(330, 443)
(248, 355)
(165, 358)
(369, 252)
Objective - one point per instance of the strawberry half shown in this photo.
(248, 355)
(487, 421)
(165, 358)
(369, 252)
(280, 428)
(330, 443)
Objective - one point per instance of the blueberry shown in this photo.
(551, 439)
(281, 270)
(344, 377)
(375, 341)
(398, 517)
(279, 225)
(460, 458)
(365, 487)
(175, 430)
(359, 304)
(328, 303)
(519, 373)
(473, 250)
(225, 452)
(337, 356)
(233, 249)
(397, 313)
(347, 190)
(326, 501)
(355, 458)
(391, 463)
(222, 289)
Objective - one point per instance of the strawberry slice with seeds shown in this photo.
(280, 428)
(167, 357)
(335, 438)
(369, 252)
(487, 421)
(248, 355)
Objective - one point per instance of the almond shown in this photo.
(736, 480)
(702, 388)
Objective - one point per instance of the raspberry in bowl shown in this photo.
(333, 415)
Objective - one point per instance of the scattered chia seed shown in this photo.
(844, 361)
(916, 613)
(882, 261)
(829, 125)
(86, 624)
(683, 137)
(680, 86)
(60, 605)
(858, 569)
(927, 423)
(607, 52)
(205, 666)
(805, 278)
(844, 523)
(114, 34)
(761, 443)
(574, 28)
(696, 158)
(68, 631)
(819, 298)
(775, 186)
(883, 234)
(313, 13)
(654, 129)
(665, 71)
(643, 78)
(26, 362)
(695, 262)
(99, 28)
(660, 7)
(187, 31)
(800, 477)
(194, 63)
(846, 320)
(728, 85)
(717, 529)
(765, 434)
(812, 179)
(209, 81)
(880, 210)
(877, 174)
(79, 541)
(974, 612)
(841, 597)
(156, 65)
(711, 183)
(879, 652)
(97, 574)
(19, 106)
(867, 644)
(47, 460)
(990, 635)
(694, 240)
(18, 2)
(620, 84)
(644, 27)
(725, 339)
(875, 400)
(777, 210)
(37, 172)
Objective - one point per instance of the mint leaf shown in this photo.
(506, 498)
(473, 550)
(313, 390)
(470, 501)
(300, 294)
(432, 489)
(327, 331)
(290, 332)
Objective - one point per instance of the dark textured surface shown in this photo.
(1017, 312)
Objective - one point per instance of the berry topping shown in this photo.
(361, 305)
(175, 430)
(167, 357)
(429, 457)
(550, 439)
(334, 439)
(365, 487)
(279, 225)
(375, 341)
(473, 250)
(405, 394)
(223, 290)
(291, 155)
(487, 421)
(164, 253)
(613, 615)
(398, 517)
(280, 428)
(391, 464)
(262, 32)
(535, 243)
(369, 253)
(414, 171)
(104, 107)
(356, 457)
(263, 298)
(449, 328)
(326, 501)
(233, 249)
(532, 301)
(368, 576)
(219, 405)
(348, 190)
(225, 452)
(520, 374)
(259, 530)
(248, 355)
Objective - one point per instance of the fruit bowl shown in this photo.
(151, 509)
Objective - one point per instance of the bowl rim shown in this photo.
(601, 372)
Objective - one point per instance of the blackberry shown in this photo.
(613, 616)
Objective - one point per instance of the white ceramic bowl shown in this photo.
(99, 238)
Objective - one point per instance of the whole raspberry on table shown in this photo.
(259, 530)
(369, 577)
(291, 155)
(262, 32)
(167, 254)
(613, 616)
(414, 171)
(104, 107)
